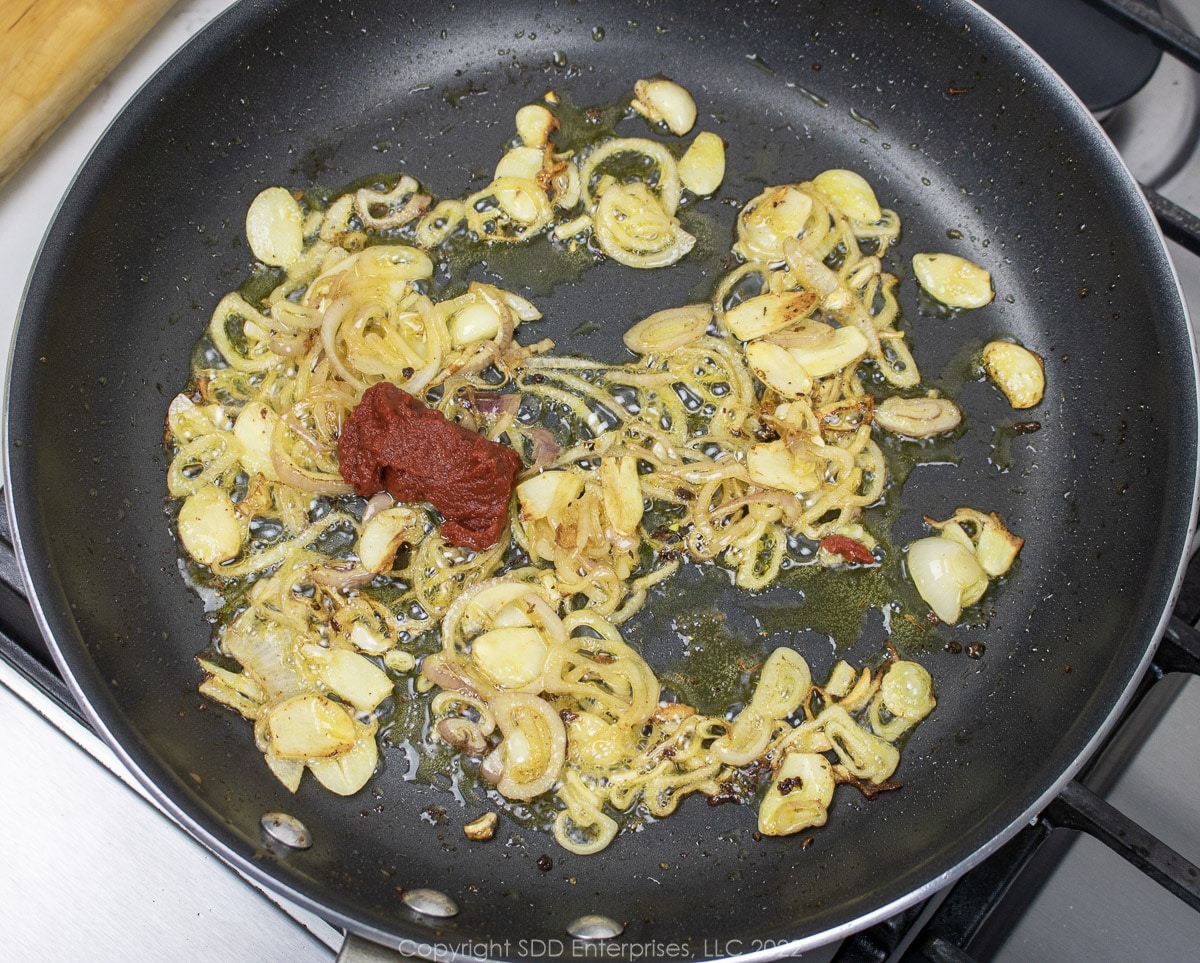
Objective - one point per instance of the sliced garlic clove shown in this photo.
(799, 795)
(384, 534)
(851, 193)
(188, 420)
(771, 464)
(841, 679)
(535, 124)
(664, 101)
(907, 691)
(996, 547)
(1017, 371)
(917, 417)
(511, 614)
(547, 494)
(522, 198)
(829, 350)
(310, 726)
(287, 771)
(783, 685)
(513, 657)
(621, 491)
(764, 314)
(953, 280)
(254, 426)
(479, 321)
(346, 773)
(523, 162)
(669, 329)
(702, 167)
(947, 575)
(356, 679)
(482, 829)
(275, 227)
(777, 367)
(336, 221)
(368, 640)
(209, 526)
(216, 690)
(236, 682)
(771, 219)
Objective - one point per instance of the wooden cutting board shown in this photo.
(53, 53)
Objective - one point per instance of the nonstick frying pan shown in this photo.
(958, 126)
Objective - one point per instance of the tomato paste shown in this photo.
(849, 548)
(393, 442)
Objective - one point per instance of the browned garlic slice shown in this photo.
(666, 102)
(770, 220)
(824, 350)
(351, 676)
(702, 168)
(1017, 371)
(384, 534)
(947, 575)
(234, 689)
(535, 124)
(275, 227)
(764, 314)
(775, 367)
(254, 426)
(621, 491)
(547, 494)
(482, 829)
(851, 193)
(209, 527)
(953, 280)
(309, 726)
(799, 795)
(347, 772)
(994, 545)
(772, 464)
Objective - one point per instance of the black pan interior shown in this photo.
(958, 128)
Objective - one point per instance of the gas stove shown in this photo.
(94, 870)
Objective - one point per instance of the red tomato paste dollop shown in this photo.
(392, 442)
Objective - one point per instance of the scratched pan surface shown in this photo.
(958, 128)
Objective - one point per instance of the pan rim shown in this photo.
(22, 542)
